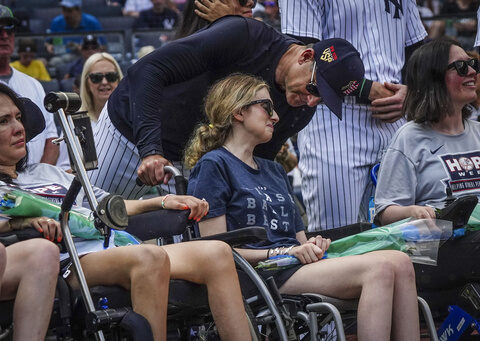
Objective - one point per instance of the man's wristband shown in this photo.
(365, 88)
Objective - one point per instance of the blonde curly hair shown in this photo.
(225, 98)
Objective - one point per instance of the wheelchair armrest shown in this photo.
(459, 211)
(159, 223)
(239, 237)
(12, 237)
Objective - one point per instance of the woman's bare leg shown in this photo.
(405, 322)
(142, 269)
(30, 277)
(3, 263)
(372, 278)
(211, 263)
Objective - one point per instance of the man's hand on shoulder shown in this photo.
(151, 171)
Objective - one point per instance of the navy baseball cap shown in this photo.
(32, 118)
(340, 71)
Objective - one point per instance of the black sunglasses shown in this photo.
(312, 86)
(266, 104)
(98, 77)
(9, 29)
(462, 66)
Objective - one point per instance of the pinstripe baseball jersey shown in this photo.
(335, 156)
(379, 29)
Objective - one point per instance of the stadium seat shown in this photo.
(49, 86)
(38, 25)
(46, 13)
(67, 84)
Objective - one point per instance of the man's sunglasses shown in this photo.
(266, 104)
(98, 77)
(312, 86)
(462, 66)
(8, 29)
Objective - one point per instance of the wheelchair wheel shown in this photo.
(252, 324)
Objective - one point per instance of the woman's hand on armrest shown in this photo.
(49, 227)
(395, 213)
(198, 207)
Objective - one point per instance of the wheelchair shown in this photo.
(88, 314)
(455, 310)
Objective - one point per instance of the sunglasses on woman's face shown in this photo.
(266, 104)
(98, 77)
(462, 66)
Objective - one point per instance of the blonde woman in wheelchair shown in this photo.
(145, 270)
(244, 190)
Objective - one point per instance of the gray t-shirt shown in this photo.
(420, 163)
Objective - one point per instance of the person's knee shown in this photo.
(152, 259)
(218, 254)
(381, 271)
(42, 255)
(403, 266)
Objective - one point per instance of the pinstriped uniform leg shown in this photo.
(118, 161)
(335, 159)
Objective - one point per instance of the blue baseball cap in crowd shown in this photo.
(71, 3)
(340, 72)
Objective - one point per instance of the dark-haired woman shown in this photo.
(144, 269)
(438, 148)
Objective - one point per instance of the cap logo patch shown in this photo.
(329, 55)
(349, 88)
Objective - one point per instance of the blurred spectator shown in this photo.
(258, 8)
(272, 16)
(101, 75)
(425, 12)
(134, 7)
(463, 29)
(73, 20)
(27, 62)
(89, 46)
(41, 148)
(159, 16)
(145, 50)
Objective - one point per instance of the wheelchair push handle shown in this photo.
(180, 181)
(70, 102)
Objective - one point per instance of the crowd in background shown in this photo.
(139, 23)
